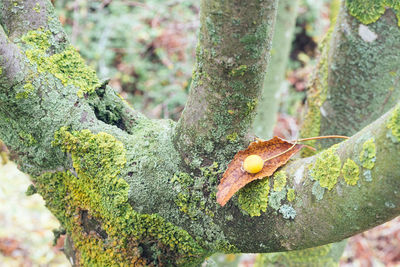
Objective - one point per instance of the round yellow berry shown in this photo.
(253, 164)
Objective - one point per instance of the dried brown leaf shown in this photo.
(235, 177)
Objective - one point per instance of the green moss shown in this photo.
(232, 137)
(291, 195)
(253, 198)
(212, 31)
(368, 154)
(92, 205)
(28, 139)
(279, 181)
(38, 39)
(28, 89)
(1, 70)
(370, 11)
(394, 123)
(326, 169)
(68, 66)
(239, 71)
(351, 172)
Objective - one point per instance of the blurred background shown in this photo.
(147, 50)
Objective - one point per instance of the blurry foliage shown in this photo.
(145, 47)
(312, 23)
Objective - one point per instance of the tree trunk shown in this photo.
(133, 191)
(358, 77)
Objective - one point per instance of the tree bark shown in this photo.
(129, 190)
(234, 41)
(357, 80)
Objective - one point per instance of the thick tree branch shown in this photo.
(20, 17)
(324, 216)
(358, 77)
(118, 185)
(43, 81)
(234, 42)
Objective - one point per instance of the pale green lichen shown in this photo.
(191, 201)
(28, 88)
(326, 169)
(394, 123)
(94, 195)
(275, 199)
(318, 191)
(291, 195)
(370, 11)
(279, 181)
(68, 66)
(287, 211)
(351, 172)
(368, 154)
(368, 175)
(253, 198)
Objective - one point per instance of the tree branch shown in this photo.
(358, 77)
(118, 185)
(234, 41)
(46, 85)
(324, 216)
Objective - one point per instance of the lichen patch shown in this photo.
(366, 34)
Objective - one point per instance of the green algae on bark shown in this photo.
(94, 196)
(227, 80)
(279, 180)
(394, 123)
(253, 198)
(68, 65)
(351, 172)
(370, 11)
(368, 154)
(326, 169)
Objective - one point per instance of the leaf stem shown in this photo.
(280, 154)
(322, 137)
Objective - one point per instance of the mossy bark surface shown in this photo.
(358, 79)
(129, 190)
(232, 54)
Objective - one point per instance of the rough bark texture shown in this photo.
(234, 40)
(358, 77)
(120, 183)
(281, 43)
